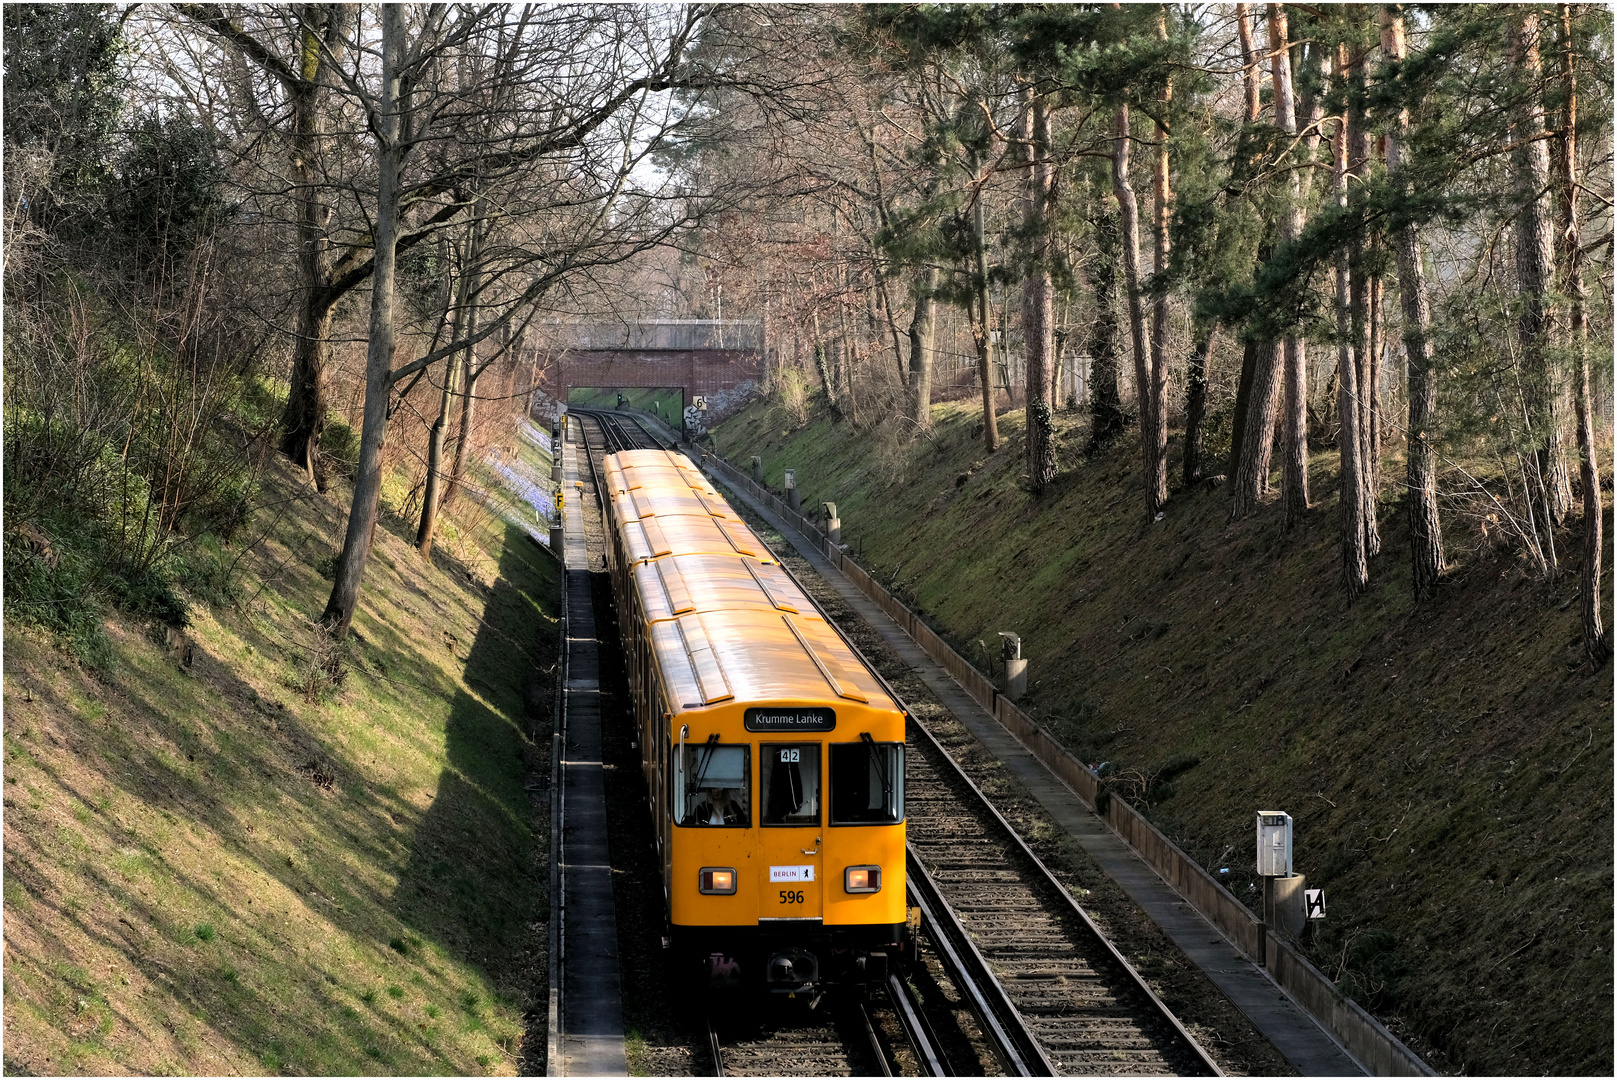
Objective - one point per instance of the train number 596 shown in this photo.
(791, 896)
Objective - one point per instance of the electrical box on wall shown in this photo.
(1274, 843)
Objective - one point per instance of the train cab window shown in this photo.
(867, 783)
(791, 783)
(711, 784)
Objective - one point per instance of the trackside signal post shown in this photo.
(1015, 665)
(1282, 889)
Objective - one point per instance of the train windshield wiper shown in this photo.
(708, 749)
(886, 780)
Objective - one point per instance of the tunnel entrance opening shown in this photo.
(667, 403)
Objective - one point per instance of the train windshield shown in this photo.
(710, 785)
(791, 783)
(867, 783)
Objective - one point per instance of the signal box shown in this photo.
(1274, 843)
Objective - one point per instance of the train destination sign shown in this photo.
(789, 719)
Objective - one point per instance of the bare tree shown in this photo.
(423, 104)
(301, 48)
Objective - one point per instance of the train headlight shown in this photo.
(717, 881)
(861, 879)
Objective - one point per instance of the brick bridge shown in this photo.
(707, 358)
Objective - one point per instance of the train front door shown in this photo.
(792, 830)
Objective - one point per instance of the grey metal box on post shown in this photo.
(1282, 889)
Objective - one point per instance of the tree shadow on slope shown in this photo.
(474, 882)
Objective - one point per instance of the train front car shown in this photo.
(774, 757)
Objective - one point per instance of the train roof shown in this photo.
(665, 506)
(763, 657)
(655, 470)
(726, 622)
(658, 536)
(681, 584)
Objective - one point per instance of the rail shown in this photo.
(1007, 1032)
(1156, 1005)
(923, 1040)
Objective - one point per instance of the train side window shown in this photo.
(791, 783)
(710, 785)
(867, 783)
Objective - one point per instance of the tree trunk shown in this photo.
(921, 332)
(1425, 527)
(1596, 641)
(822, 367)
(430, 498)
(1359, 148)
(845, 363)
(435, 463)
(1377, 347)
(1534, 254)
(1251, 480)
(1196, 400)
(1155, 439)
(1106, 415)
(1355, 563)
(1250, 61)
(1129, 218)
(1038, 299)
(1294, 430)
(470, 370)
(468, 424)
(982, 331)
(1251, 64)
(362, 516)
(304, 418)
(434, 489)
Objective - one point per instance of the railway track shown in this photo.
(1055, 994)
(837, 1039)
(618, 433)
(1052, 995)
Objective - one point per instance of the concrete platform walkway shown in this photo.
(590, 1039)
(1303, 1043)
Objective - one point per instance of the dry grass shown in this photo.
(237, 868)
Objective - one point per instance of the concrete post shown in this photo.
(1283, 904)
(758, 470)
(793, 499)
(1015, 666)
(555, 539)
(833, 524)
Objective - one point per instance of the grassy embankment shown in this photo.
(236, 867)
(1448, 764)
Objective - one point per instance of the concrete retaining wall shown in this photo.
(1376, 1048)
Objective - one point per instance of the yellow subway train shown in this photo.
(773, 756)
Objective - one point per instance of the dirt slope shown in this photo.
(1449, 765)
(223, 866)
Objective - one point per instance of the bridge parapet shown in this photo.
(669, 334)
